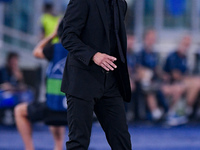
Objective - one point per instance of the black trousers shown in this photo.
(110, 112)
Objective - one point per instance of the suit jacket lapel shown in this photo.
(102, 11)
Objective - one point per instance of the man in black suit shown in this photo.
(96, 76)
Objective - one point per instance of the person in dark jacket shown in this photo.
(96, 75)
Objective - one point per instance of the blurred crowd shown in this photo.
(14, 88)
(162, 90)
(167, 91)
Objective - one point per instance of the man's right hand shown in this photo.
(105, 61)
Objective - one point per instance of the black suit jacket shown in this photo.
(86, 32)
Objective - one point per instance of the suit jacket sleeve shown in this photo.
(73, 23)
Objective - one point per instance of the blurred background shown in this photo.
(163, 61)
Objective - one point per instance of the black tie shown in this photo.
(117, 25)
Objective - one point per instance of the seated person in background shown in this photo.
(26, 114)
(11, 75)
(177, 78)
(13, 89)
(131, 62)
(149, 73)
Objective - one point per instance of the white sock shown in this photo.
(156, 114)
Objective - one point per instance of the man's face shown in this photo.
(184, 45)
(130, 42)
(13, 62)
(150, 39)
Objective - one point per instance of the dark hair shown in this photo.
(48, 7)
(11, 55)
(60, 29)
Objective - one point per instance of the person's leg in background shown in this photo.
(110, 112)
(130, 114)
(130, 111)
(26, 114)
(192, 91)
(58, 133)
(162, 100)
(175, 91)
(152, 104)
(24, 125)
